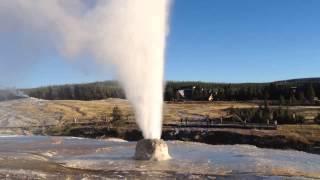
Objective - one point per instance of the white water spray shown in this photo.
(128, 35)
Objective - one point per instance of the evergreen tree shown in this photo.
(310, 93)
(301, 97)
(293, 99)
(282, 100)
(116, 114)
(169, 94)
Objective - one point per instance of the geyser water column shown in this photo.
(141, 69)
(142, 72)
(133, 40)
(128, 35)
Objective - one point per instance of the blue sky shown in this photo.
(220, 41)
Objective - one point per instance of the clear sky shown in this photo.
(221, 41)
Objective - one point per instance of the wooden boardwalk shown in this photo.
(199, 125)
(229, 125)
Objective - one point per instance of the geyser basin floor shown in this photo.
(61, 157)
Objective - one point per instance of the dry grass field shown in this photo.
(306, 133)
(65, 111)
(38, 112)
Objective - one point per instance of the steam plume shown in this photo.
(128, 35)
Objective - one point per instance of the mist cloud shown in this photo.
(126, 35)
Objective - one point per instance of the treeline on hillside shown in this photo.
(284, 92)
(90, 91)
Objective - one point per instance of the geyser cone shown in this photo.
(152, 150)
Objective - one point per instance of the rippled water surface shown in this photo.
(62, 157)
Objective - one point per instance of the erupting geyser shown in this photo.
(128, 35)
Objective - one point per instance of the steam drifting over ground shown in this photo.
(128, 35)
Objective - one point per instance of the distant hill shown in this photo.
(299, 81)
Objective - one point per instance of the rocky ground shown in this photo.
(23, 116)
